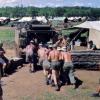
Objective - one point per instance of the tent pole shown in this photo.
(71, 43)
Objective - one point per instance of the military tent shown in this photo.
(94, 31)
(24, 19)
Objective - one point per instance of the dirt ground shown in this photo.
(22, 85)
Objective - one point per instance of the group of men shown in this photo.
(56, 62)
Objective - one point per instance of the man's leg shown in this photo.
(97, 94)
(58, 79)
(54, 74)
(66, 76)
(30, 67)
(74, 80)
(28, 61)
(1, 92)
(4, 67)
(34, 60)
(46, 76)
(71, 76)
(33, 67)
(32, 64)
(49, 74)
(98, 89)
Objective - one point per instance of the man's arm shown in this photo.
(38, 53)
(49, 56)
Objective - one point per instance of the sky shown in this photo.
(51, 3)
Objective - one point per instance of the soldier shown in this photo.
(1, 92)
(3, 61)
(40, 55)
(68, 68)
(30, 55)
(54, 57)
(43, 55)
(91, 46)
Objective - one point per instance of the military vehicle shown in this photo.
(27, 31)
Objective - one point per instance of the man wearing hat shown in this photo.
(40, 54)
(30, 55)
(68, 68)
(43, 60)
(54, 57)
(91, 46)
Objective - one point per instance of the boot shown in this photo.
(95, 95)
(57, 88)
(78, 83)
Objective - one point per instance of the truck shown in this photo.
(27, 31)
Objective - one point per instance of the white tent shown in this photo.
(59, 18)
(41, 18)
(25, 19)
(94, 31)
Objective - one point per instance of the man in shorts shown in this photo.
(43, 56)
(30, 55)
(54, 57)
(40, 55)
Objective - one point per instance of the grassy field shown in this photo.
(70, 94)
(6, 35)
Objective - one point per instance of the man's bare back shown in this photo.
(66, 56)
(43, 53)
(54, 55)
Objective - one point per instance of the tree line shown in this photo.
(49, 11)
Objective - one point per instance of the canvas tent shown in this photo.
(41, 18)
(94, 31)
(24, 19)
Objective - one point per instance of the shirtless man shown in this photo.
(40, 54)
(54, 57)
(43, 56)
(68, 68)
(30, 58)
(3, 61)
(1, 91)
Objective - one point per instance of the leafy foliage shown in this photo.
(49, 11)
